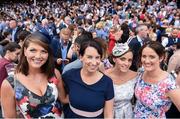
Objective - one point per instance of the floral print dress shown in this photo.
(32, 105)
(152, 101)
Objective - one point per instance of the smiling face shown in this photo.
(150, 59)
(36, 55)
(124, 62)
(91, 59)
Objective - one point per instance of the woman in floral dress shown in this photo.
(34, 89)
(155, 89)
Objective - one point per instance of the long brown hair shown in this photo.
(42, 40)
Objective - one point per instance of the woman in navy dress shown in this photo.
(90, 92)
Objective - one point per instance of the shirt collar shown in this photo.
(140, 40)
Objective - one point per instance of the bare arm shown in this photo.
(8, 102)
(108, 109)
(175, 96)
(61, 91)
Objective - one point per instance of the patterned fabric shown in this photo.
(32, 105)
(152, 101)
(10, 68)
(107, 64)
(122, 101)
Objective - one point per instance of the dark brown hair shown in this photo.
(91, 43)
(42, 40)
(103, 44)
(156, 46)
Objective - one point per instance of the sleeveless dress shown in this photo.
(122, 100)
(32, 105)
(152, 101)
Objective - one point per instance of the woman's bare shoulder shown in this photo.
(6, 86)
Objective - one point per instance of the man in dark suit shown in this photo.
(136, 43)
(15, 29)
(60, 48)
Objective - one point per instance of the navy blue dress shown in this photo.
(89, 98)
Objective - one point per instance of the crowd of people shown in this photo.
(90, 59)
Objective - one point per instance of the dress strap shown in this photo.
(139, 76)
(11, 80)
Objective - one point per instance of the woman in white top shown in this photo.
(123, 80)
